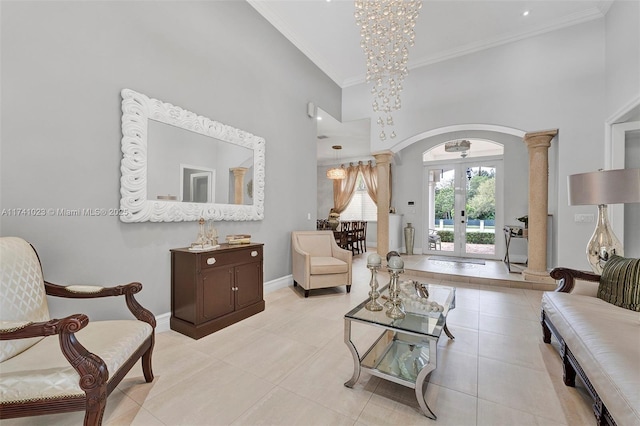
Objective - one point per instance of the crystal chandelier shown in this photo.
(386, 28)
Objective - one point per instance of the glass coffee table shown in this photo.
(406, 350)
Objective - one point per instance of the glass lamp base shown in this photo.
(603, 243)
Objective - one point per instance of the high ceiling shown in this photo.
(326, 32)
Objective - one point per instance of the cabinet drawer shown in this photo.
(216, 259)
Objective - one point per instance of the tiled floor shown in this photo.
(287, 365)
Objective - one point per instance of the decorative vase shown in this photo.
(409, 235)
(333, 223)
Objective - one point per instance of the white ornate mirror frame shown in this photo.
(137, 110)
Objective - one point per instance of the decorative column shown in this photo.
(538, 144)
(383, 167)
(238, 184)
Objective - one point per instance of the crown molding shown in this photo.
(577, 18)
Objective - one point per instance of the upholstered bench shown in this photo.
(598, 340)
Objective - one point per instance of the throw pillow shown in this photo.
(620, 283)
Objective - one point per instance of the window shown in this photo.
(361, 206)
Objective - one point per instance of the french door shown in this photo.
(462, 209)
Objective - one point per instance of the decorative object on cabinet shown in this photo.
(238, 239)
(212, 290)
(81, 362)
(602, 188)
(318, 261)
(207, 238)
(171, 129)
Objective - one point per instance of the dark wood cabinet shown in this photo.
(213, 289)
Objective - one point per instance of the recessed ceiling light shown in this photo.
(319, 118)
(525, 13)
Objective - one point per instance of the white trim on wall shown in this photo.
(614, 154)
(457, 128)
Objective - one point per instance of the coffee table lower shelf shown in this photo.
(397, 357)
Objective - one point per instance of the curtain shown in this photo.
(370, 175)
(343, 188)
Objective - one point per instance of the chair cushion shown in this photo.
(620, 283)
(22, 295)
(42, 371)
(328, 265)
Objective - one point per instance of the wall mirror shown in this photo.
(178, 166)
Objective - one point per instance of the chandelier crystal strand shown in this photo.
(387, 32)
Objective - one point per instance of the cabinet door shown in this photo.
(217, 293)
(249, 284)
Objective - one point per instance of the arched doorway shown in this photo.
(464, 181)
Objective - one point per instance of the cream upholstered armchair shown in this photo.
(318, 262)
(67, 364)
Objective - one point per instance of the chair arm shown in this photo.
(301, 266)
(567, 278)
(339, 253)
(90, 292)
(90, 367)
(26, 330)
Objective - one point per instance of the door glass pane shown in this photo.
(480, 210)
(441, 230)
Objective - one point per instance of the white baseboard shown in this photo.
(162, 321)
(518, 258)
(278, 283)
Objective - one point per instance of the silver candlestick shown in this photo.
(373, 304)
(396, 309)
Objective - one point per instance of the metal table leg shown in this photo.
(421, 382)
(354, 353)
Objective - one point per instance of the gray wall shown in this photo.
(622, 55)
(63, 66)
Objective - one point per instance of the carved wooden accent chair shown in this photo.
(67, 364)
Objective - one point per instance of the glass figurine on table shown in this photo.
(207, 238)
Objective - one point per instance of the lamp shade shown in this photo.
(605, 187)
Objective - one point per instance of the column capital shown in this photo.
(540, 138)
(239, 171)
(383, 156)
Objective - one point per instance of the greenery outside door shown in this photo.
(462, 209)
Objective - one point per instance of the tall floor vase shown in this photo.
(409, 235)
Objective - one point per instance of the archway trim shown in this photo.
(457, 128)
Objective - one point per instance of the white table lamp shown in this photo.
(602, 188)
